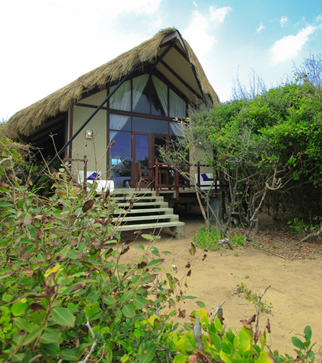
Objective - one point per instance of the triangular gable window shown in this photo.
(153, 98)
(150, 95)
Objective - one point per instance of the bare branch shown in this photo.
(94, 342)
(217, 310)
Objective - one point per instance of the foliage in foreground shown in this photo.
(65, 293)
(66, 296)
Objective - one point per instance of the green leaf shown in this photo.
(154, 250)
(51, 336)
(109, 300)
(225, 357)
(73, 255)
(264, 357)
(181, 358)
(63, 316)
(91, 309)
(51, 350)
(68, 354)
(33, 335)
(81, 246)
(201, 304)
(167, 252)
(124, 358)
(64, 252)
(188, 297)
(128, 310)
(298, 343)
(155, 262)
(93, 296)
(4, 204)
(126, 296)
(149, 355)
(24, 324)
(41, 257)
(18, 308)
(187, 343)
(140, 302)
(308, 332)
(7, 297)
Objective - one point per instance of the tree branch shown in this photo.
(94, 343)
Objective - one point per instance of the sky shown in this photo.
(46, 44)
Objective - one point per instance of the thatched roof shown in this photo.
(7, 135)
(27, 120)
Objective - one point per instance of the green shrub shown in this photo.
(64, 293)
(207, 238)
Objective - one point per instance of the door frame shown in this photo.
(151, 152)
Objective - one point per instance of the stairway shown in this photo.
(148, 212)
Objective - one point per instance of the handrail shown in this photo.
(175, 168)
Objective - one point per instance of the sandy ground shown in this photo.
(295, 293)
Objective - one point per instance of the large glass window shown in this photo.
(141, 97)
(177, 128)
(151, 126)
(177, 105)
(120, 153)
(150, 96)
(121, 100)
(118, 122)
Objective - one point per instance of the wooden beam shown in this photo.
(180, 79)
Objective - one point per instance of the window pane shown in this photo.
(120, 153)
(121, 100)
(160, 142)
(141, 100)
(118, 122)
(159, 97)
(142, 150)
(150, 126)
(177, 129)
(177, 106)
(121, 178)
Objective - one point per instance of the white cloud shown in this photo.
(289, 47)
(113, 8)
(283, 20)
(318, 18)
(195, 4)
(196, 35)
(219, 14)
(260, 28)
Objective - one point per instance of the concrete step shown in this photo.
(130, 192)
(130, 219)
(177, 227)
(148, 210)
(137, 198)
(144, 204)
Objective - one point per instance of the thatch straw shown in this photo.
(7, 135)
(27, 120)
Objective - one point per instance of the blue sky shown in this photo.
(47, 44)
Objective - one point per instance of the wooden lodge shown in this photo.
(120, 114)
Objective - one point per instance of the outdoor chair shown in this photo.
(142, 177)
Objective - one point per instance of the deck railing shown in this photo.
(177, 176)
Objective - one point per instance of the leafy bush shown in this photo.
(238, 240)
(64, 293)
(66, 296)
(207, 238)
(216, 344)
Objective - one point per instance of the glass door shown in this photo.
(142, 154)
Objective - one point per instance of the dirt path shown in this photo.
(295, 294)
